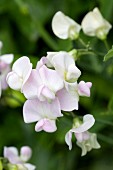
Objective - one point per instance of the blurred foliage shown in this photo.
(25, 29)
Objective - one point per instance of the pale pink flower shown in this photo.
(44, 113)
(69, 95)
(44, 83)
(11, 153)
(65, 66)
(5, 61)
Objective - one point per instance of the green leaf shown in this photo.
(109, 54)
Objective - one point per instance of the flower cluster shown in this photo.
(52, 88)
(18, 162)
(48, 91)
(93, 24)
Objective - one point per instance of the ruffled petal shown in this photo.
(14, 81)
(51, 79)
(47, 125)
(30, 88)
(68, 139)
(84, 88)
(61, 62)
(35, 110)
(7, 58)
(64, 27)
(11, 153)
(88, 122)
(25, 153)
(68, 101)
(23, 68)
(30, 166)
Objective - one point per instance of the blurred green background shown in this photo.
(25, 29)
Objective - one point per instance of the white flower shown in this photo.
(64, 27)
(93, 24)
(21, 71)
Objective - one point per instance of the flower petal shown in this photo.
(84, 88)
(29, 166)
(88, 122)
(68, 102)
(35, 110)
(61, 62)
(64, 27)
(25, 153)
(7, 58)
(30, 88)
(14, 81)
(51, 79)
(23, 68)
(11, 153)
(47, 125)
(68, 139)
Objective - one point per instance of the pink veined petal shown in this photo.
(47, 125)
(29, 166)
(68, 139)
(51, 79)
(35, 110)
(84, 88)
(30, 88)
(68, 102)
(88, 122)
(25, 153)
(7, 58)
(11, 154)
(14, 81)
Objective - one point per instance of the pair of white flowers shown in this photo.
(93, 24)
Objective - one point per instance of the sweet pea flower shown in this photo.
(89, 143)
(80, 130)
(64, 27)
(21, 71)
(11, 153)
(93, 24)
(64, 64)
(44, 113)
(69, 95)
(44, 83)
(5, 61)
(85, 139)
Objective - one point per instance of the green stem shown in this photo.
(82, 42)
(106, 44)
(105, 139)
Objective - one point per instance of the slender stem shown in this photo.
(82, 42)
(106, 44)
